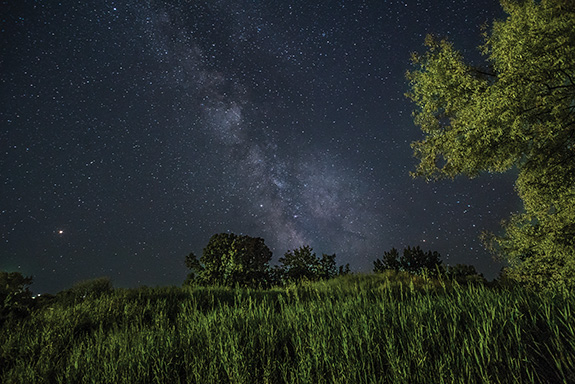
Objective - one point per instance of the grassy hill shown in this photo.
(377, 328)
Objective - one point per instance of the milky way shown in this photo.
(133, 131)
(290, 193)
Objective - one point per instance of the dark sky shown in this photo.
(132, 131)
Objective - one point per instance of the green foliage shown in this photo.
(327, 267)
(464, 274)
(231, 260)
(413, 260)
(343, 270)
(15, 297)
(15, 284)
(300, 264)
(390, 260)
(195, 268)
(382, 328)
(504, 281)
(518, 112)
(303, 264)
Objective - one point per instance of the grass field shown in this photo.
(384, 328)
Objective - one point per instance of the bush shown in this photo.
(413, 260)
(15, 297)
(91, 288)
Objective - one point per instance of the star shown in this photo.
(180, 120)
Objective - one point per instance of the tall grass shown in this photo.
(388, 328)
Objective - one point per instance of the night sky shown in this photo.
(132, 131)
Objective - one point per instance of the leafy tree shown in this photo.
(14, 283)
(276, 275)
(413, 260)
(518, 112)
(343, 270)
(15, 296)
(465, 274)
(231, 260)
(195, 268)
(302, 263)
(503, 281)
(327, 268)
(390, 260)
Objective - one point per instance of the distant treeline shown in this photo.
(231, 260)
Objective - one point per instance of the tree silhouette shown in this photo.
(302, 263)
(413, 260)
(390, 260)
(465, 274)
(231, 260)
(15, 296)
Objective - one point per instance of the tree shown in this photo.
(343, 270)
(15, 296)
(302, 263)
(390, 260)
(413, 260)
(326, 267)
(465, 274)
(14, 283)
(518, 112)
(231, 260)
(86, 289)
(195, 268)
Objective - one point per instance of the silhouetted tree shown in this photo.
(302, 263)
(231, 260)
(413, 260)
(504, 281)
(14, 283)
(327, 268)
(195, 268)
(343, 270)
(276, 275)
(84, 289)
(390, 260)
(465, 274)
(92, 287)
(15, 296)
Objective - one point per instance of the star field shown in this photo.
(133, 131)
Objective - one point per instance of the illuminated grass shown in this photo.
(386, 328)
